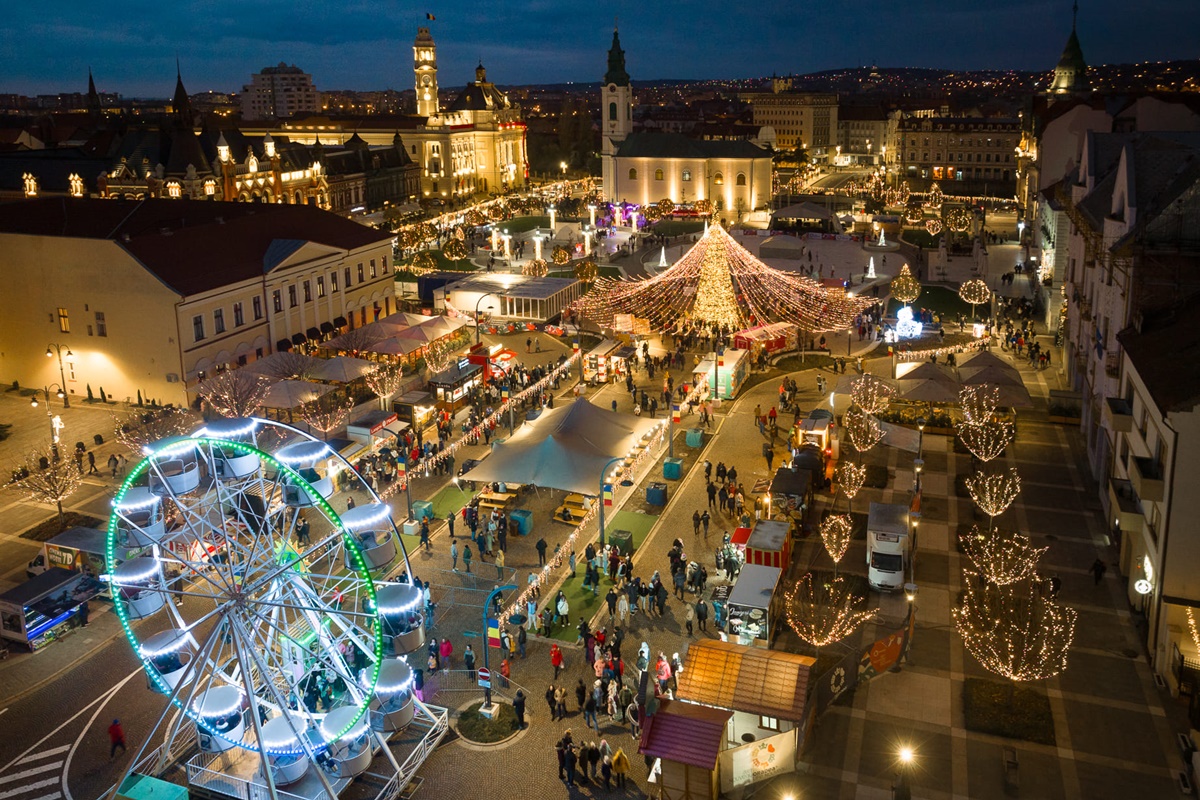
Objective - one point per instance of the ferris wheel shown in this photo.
(269, 638)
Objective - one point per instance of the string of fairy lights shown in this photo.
(719, 282)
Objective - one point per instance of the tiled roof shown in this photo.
(192, 246)
(685, 733)
(675, 145)
(751, 679)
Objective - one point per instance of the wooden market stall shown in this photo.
(685, 740)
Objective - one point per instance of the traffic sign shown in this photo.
(485, 677)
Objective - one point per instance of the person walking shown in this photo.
(551, 692)
(696, 523)
(689, 617)
(589, 714)
(560, 703)
(425, 535)
(541, 551)
(623, 610)
(450, 523)
(768, 454)
(521, 638)
(505, 672)
(610, 600)
(447, 654)
(705, 519)
(519, 709)
(499, 564)
(1098, 569)
(556, 659)
(469, 662)
(92, 463)
(571, 760)
(702, 614)
(454, 555)
(620, 768)
(712, 494)
(116, 738)
(467, 557)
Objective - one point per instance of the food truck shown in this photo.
(36, 612)
(754, 607)
(791, 493)
(769, 544)
(81, 550)
(725, 373)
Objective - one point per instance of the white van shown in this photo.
(889, 546)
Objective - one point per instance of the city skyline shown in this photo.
(133, 53)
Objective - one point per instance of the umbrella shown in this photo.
(983, 358)
(420, 333)
(290, 394)
(342, 369)
(996, 375)
(928, 391)
(928, 371)
(396, 346)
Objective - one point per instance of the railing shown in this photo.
(199, 774)
(438, 720)
(460, 680)
(183, 741)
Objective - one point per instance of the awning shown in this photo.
(297, 338)
(340, 322)
(326, 327)
(314, 334)
(283, 345)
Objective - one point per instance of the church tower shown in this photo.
(616, 109)
(1070, 76)
(425, 69)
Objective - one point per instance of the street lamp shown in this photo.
(900, 789)
(489, 308)
(52, 349)
(55, 422)
(625, 482)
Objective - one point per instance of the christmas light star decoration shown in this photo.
(986, 441)
(1014, 630)
(978, 403)
(905, 287)
(933, 226)
(836, 531)
(994, 493)
(1001, 557)
(824, 611)
(719, 282)
(870, 394)
(960, 220)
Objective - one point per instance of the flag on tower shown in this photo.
(429, 16)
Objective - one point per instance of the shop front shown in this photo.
(755, 605)
(726, 373)
(600, 364)
(452, 387)
(38, 611)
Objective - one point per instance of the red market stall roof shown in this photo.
(751, 679)
(685, 733)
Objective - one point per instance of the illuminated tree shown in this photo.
(135, 431)
(475, 217)
(960, 220)
(666, 206)
(975, 292)
(454, 249)
(439, 355)
(986, 441)
(978, 403)
(704, 207)
(328, 413)
(1014, 630)
(905, 287)
(823, 611)
(836, 532)
(586, 270)
(291, 366)
(933, 226)
(536, 267)
(850, 479)
(359, 339)
(53, 485)
(994, 493)
(235, 392)
(385, 380)
(423, 261)
(935, 197)
(870, 394)
(863, 430)
(1001, 557)
(561, 256)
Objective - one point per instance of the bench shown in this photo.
(575, 512)
(577, 501)
(498, 497)
(493, 504)
(1012, 777)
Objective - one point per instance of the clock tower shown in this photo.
(425, 70)
(616, 111)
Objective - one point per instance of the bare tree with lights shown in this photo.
(235, 392)
(328, 413)
(135, 431)
(1014, 630)
(986, 441)
(836, 532)
(870, 394)
(52, 485)
(824, 611)
(978, 403)
(385, 380)
(862, 429)
(994, 493)
(360, 339)
(1001, 557)
(851, 478)
(291, 366)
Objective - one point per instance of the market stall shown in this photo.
(727, 371)
(754, 606)
(791, 493)
(775, 338)
(769, 544)
(453, 386)
(36, 612)
(599, 364)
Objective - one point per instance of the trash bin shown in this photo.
(695, 437)
(673, 469)
(523, 517)
(422, 509)
(656, 494)
(622, 540)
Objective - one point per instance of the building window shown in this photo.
(741, 179)
(373, 272)
(277, 300)
(346, 275)
(769, 723)
(219, 321)
(658, 174)
(308, 291)
(256, 304)
(633, 174)
(687, 175)
(101, 325)
(292, 296)
(612, 111)
(239, 315)
(76, 185)
(198, 328)
(333, 281)
(173, 190)
(320, 286)
(360, 274)
(64, 322)
(210, 187)
(719, 179)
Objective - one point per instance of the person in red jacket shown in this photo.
(116, 737)
(556, 658)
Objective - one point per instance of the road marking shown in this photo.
(29, 788)
(44, 754)
(29, 772)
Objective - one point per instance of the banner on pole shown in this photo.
(493, 632)
(608, 494)
(675, 415)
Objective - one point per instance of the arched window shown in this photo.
(658, 174)
(687, 175)
(718, 179)
(612, 111)
(741, 179)
(632, 174)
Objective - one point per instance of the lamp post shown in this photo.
(489, 308)
(900, 789)
(52, 349)
(611, 461)
(487, 690)
(910, 594)
(919, 461)
(55, 422)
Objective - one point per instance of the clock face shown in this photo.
(426, 80)
(612, 87)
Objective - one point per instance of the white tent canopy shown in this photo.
(565, 448)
